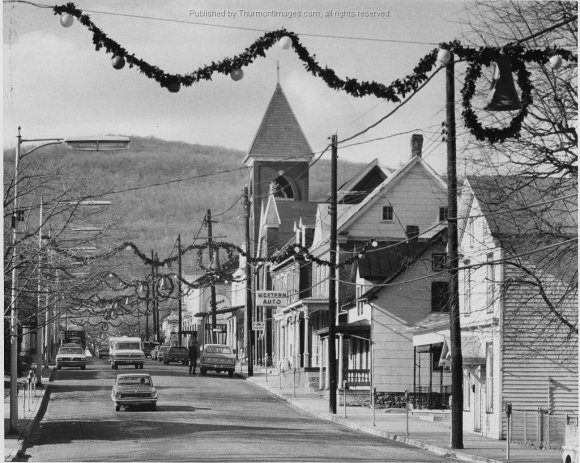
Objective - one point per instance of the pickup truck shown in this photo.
(176, 354)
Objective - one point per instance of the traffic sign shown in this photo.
(271, 298)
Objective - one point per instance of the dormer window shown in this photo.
(388, 214)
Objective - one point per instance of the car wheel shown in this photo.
(84, 367)
(115, 366)
(153, 407)
(136, 366)
(58, 367)
(141, 366)
(117, 407)
(230, 373)
(202, 371)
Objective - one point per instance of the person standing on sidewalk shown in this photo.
(192, 353)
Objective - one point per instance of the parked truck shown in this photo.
(126, 350)
(76, 336)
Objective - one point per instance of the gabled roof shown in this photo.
(361, 184)
(283, 214)
(524, 206)
(279, 134)
(394, 258)
(346, 219)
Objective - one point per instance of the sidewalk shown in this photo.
(431, 436)
(27, 414)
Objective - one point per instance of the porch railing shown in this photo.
(433, 397)
(357, 378)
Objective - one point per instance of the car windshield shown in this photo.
(70, 350)
(134, 381)
(218, 350)
(128, 345)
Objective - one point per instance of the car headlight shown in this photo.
(153, 394)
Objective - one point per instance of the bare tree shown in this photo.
(530, 188)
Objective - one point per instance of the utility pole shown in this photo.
(248, 271)
(154, 297)
(332, 279)
(452, 243)
(156, 301)
(13, 303)
(147, 316)
(212, 256)
(39, 327)
(179, 306)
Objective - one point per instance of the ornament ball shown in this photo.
(174, 86)
(556, 62)
(443, 57)
(237, 74)
(118, 62)
(66, 20)
(285, 42)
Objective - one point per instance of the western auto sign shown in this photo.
(271, 298)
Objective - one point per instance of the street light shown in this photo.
(108, 143)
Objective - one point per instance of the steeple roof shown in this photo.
(279, 135)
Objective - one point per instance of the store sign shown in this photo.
(271, 298)
(221, 302)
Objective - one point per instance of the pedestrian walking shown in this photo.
(192, 353)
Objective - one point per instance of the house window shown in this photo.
(466, 392)
(489, 377)
(388, 213)
(438, 262)
(467, 290)
(443, 213)
(439, 296)
(359, 302)
(490, 283)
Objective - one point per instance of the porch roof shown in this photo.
(360, 328)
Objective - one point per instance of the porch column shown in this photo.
(306, 340)
(320, 363)
(340, 359)
(297, 340)
(327, 363)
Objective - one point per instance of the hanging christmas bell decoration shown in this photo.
(504, 96)
(237, 74)
(285, 42)
(118, 62)
(66, 20)
(215, 262)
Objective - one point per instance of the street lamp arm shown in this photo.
(54, 141)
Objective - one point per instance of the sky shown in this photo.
(56, 85)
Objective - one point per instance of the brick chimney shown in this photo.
(416, 145)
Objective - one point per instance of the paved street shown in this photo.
(211, 418)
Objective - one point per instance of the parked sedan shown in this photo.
(217, 357)
(176, 354)
(134, 389)
(161, 353)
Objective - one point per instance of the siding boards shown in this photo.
(540, 362)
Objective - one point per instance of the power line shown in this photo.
(224, 26)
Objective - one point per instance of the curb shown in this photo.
(440, 451)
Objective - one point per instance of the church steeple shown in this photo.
(279, 136)
(279, 155)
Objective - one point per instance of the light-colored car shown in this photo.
(134, 389)
(217, 357)
(71, 356)
(161, 353)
